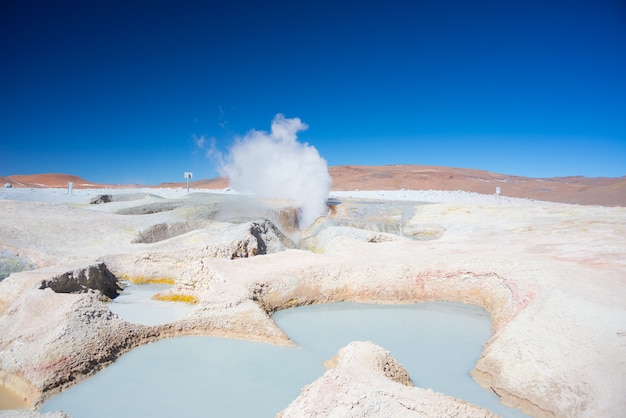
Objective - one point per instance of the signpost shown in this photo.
(188, 175)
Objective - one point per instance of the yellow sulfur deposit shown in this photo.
(149, 280)
(175, 297)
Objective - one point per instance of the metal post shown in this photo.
(188, 175)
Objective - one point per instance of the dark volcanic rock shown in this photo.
(94, 277)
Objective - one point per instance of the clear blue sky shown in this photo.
(118, 91)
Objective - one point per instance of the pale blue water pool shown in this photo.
(135, 305)
(438, 343)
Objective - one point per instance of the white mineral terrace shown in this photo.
(552, 276)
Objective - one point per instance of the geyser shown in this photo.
(275, 165)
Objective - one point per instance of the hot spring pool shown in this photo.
(438, 343)
(135, 305)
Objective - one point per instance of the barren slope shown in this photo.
(581, 190)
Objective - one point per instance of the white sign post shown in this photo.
(188, 175)
(497, 192)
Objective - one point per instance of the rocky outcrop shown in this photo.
(95, 277)
(364, 380)
(103, 198)
(163, 231)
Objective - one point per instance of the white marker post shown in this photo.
(70, 187)
(188, 175)
(497, 192)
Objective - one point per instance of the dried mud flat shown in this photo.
(552, 275)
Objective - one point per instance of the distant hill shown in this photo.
(47, 180)
(582, 190)
(216, 183)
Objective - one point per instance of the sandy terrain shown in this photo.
(581, 190)
(552, 275)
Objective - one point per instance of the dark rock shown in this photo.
(103, 198)
(94, 277)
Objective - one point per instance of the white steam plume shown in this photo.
(276, 165)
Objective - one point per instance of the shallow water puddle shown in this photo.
(438, 343)
(135, 305)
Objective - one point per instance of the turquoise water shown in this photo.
(438, 343)
(135, 305)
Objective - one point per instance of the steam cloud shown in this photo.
(276, 165)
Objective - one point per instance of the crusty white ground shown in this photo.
(552, 275)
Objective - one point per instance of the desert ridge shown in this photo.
(578, 190)
(53, 180)
(600, 191)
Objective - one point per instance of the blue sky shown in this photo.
(120, 91)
